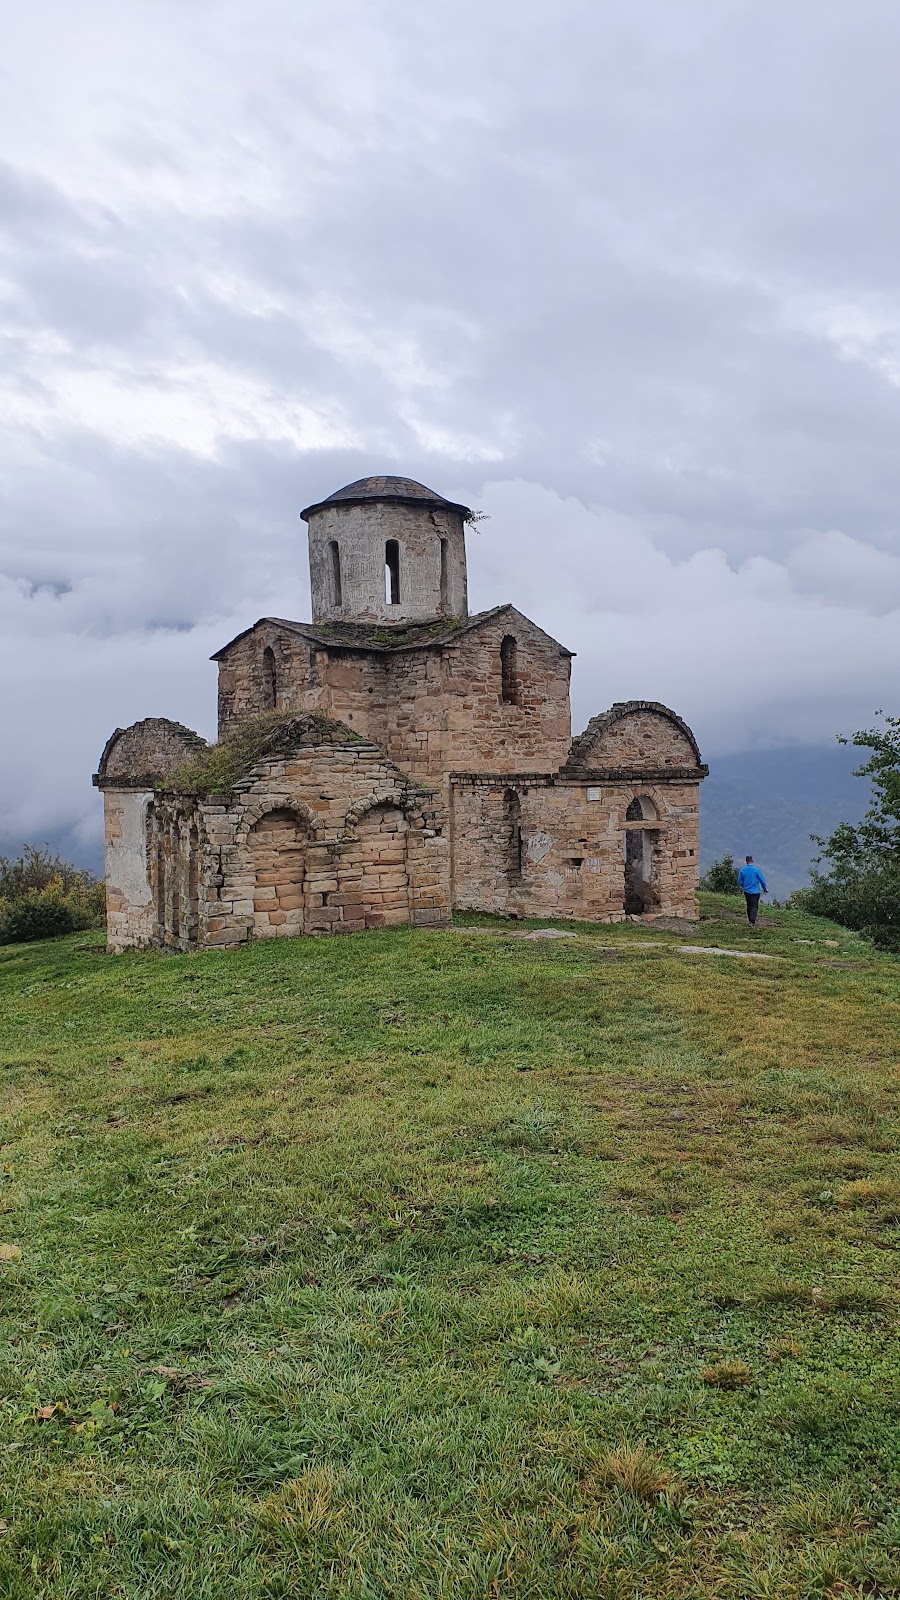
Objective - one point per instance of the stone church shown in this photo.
(401, 760)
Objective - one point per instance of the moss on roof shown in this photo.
(219, 767)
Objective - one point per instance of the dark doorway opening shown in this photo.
(640, 858)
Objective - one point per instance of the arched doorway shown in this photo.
(278, 844)
(382, 838)
(641, 894)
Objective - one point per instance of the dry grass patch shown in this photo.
(305, 1509)
(866, 1192)
(784, 1349)
(636, 1470)
(728, 1375)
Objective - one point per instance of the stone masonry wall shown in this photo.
(130, 909)
(572, 855)
(147, 751)
(433, 710)
(640, 738)
(174, 864)
(374, 851)
(348, 685)
(331, 839)
(361, 533)
(446, 711)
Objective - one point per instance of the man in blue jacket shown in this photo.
(753, 883)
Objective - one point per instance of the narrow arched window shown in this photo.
(512, 811)
(392, 572)
(445, 575)
(509, 679)
(270, 679)
(334, 555)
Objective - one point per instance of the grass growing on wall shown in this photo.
(451, 1265)
(272, 734)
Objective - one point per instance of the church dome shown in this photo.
(394, 491)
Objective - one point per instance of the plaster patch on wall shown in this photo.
(539, 846)
(126, 858)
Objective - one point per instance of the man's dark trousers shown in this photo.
(752, 907)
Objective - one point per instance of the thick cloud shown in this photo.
(623, 276)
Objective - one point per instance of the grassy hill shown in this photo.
(450, 1265)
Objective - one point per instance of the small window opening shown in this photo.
(509, 681)
(445, 575)
(335, 556)
(270, 679)
(392, 572)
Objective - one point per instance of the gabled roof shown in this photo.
(396, 491)
(388, 638)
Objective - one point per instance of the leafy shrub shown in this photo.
(867, 900)
(721, 877)
(43, 896)
(36, 916)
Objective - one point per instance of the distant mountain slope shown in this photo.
(767, 803)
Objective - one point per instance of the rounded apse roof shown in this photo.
(397, 491)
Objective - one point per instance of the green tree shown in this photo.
(721, 877)
(860, 887)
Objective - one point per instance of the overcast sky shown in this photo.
(624, 274)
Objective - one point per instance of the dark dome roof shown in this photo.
(403, 491)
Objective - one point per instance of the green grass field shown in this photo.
(451, 1265)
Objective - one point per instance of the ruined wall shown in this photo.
(146, 752)
(374, 853)
(134, 762)
(428, 586)
(130, 911)
(331, 839)
(557, 848)
(173, 866)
